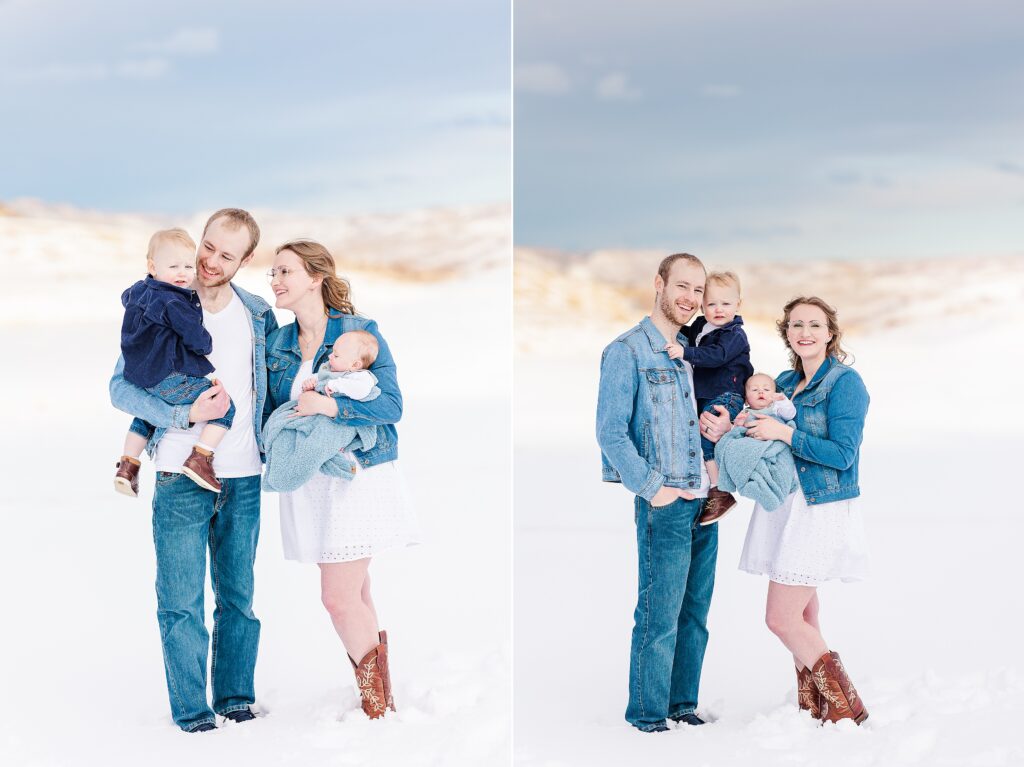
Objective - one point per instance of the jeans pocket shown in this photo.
(168, 477)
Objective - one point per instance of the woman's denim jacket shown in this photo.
(830, 415)
(646, 422)
(150, 408)
(284, 359)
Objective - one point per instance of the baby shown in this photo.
(164, 345)
(345, 373)
(759, 469)
(720, 356)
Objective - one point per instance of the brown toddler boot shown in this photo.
(717, 506)
(370, 681)
(126, 478)
(199, 468)
(839, 698)
(385, 669)
(807, 696)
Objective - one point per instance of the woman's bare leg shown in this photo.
(345, 591)
(811, 616)
(784, 615)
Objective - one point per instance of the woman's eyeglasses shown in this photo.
(281, 272)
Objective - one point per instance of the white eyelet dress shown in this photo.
(330, 519)
(803, 545)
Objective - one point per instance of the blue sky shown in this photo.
(800, 129)
(318, 107)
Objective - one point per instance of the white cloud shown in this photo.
(193, 41)
(145, 69)
(544, 78)
(64, 73)
(616, 87)
(720, 91)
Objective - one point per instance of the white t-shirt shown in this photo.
(232, 359)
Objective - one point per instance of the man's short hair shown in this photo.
(177, 235)
(666, 264)
(237, 218)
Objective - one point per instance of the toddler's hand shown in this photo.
(309, 384)
(675, 351)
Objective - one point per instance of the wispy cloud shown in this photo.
(194, 41)
(144, 69)
(616, 87)
(543, 78)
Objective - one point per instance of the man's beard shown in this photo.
(222, 280)
(673, 312)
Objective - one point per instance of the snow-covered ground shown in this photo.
(81, 678)
(931, 640)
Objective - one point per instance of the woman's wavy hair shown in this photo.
(834, 349)
(318, 262)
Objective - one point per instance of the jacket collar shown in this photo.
(288, 337)
(655, 337)
(257, 306)
(154, 284)
(829, 363)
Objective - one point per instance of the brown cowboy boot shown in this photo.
(370, 680)
(839, 699)
(385, 669)
(199, 468)
(718, 504)
(807, 696)
(126, 478)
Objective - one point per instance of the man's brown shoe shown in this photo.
(126, 478)
(718, 504)
(839, 698)
(370, 680)
(807, 696)
(199, 468)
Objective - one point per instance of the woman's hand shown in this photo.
(714, 426)
(765, 427)
(312, 403)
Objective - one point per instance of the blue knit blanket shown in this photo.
(762, 470)
(297, 448)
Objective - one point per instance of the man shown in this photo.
(188, 518)
(648, 433)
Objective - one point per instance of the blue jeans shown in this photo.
(677, 575)
(181, 389)
(186, 521)
(732, 402)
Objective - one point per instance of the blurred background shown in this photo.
(382, 130)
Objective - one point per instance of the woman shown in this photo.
(817, 534)
(339, 523)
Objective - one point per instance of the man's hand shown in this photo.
(675, 351)
(714, 426)
(210, 405)
(312, 403)
(668, 495)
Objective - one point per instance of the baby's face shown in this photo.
(346, 355)
(721, 302)
(760, 391)
(174, 263)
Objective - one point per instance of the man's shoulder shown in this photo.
(254, 303)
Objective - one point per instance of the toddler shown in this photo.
(164, 345)
(720, 356)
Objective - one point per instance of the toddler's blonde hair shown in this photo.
(177, 235)
(724, 279)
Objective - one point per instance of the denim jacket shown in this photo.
(646, 423)
(830, 414)
(149, 407)
(284, 359)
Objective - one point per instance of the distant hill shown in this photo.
(65, 243)
(558, 288)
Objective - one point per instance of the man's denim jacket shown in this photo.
(138, 402)
(646, 422)
(830, 414)
(284, 359)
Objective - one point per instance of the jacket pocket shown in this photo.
(662, 385)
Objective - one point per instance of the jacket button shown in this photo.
(692, 454)
(691, 483)
(691, 423)
(803, 468)
(810, 500)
